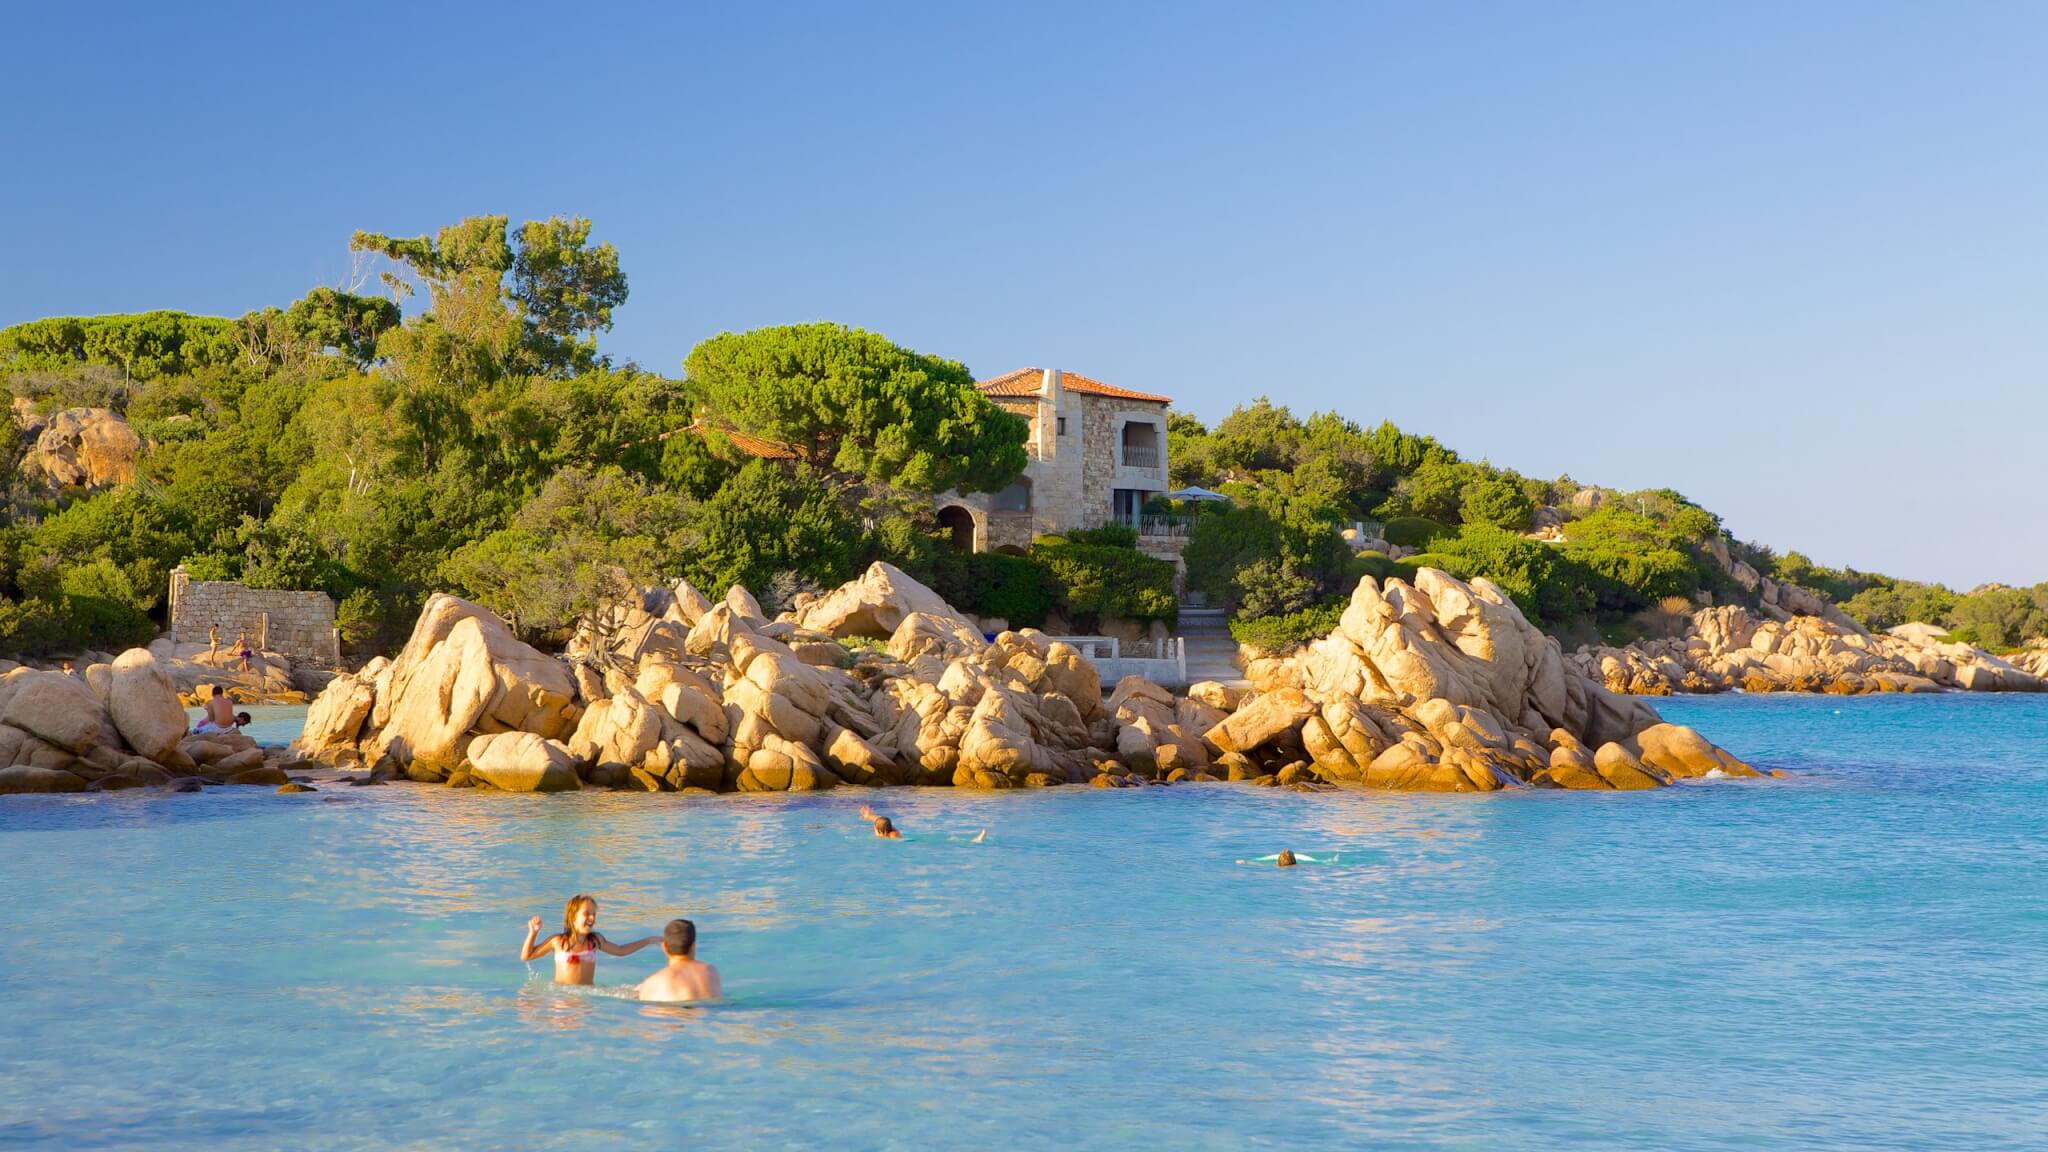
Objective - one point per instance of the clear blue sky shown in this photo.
(1790, 259)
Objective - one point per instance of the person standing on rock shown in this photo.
(242, 645)
(576, 946)
(686, 978)
(213, 645)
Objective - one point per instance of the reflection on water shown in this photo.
(1845, 959)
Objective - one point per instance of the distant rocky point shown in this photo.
(1729, 648)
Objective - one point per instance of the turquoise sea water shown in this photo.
(1852, 958)
(268, 723)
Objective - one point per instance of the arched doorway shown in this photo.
(960, 523)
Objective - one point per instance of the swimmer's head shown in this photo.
(1285, 859)
(242, 719)
(679, 938)
(579, 916)
(884, 828)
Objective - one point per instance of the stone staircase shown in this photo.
(1211, 653)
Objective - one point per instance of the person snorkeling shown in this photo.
(576, 946)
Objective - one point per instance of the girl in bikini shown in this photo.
(576, 946)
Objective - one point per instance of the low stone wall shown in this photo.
(297, 625)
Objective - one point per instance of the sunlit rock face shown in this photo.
(1436, 685)
(1729, 647)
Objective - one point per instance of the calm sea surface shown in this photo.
(1857, 957)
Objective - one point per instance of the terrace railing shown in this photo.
(1167, 524)
(1141, 455)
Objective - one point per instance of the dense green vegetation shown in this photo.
(1993, 616)
(1617, 565)
(485, 445)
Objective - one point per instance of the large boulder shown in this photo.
(876, 604)
(335, 719)
(1684, 753)
(1262, 718)
(143, 703)
(58, 708)
(1443, 685)
(463, 673)
(86, 447)
(923, 636)
(523, 762)
(621, 731)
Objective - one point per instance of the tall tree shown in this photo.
(534, 308)
(858, 404)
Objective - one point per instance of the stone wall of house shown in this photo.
(297, 625)
(1102, 474)
(1071, 474)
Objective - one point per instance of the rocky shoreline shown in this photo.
(122, 725)
(1730, 648)
(1436, 686)
(1432, 686)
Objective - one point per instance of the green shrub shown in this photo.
(1223, 542)
(1108, 536)
(143, 345)
(1631, 561)
(1275, 586)
(1495, 501)
(1097, 581)
(1541, 581)
(2001, 617)
(1455, 565)
(1415, 531)
(1883, 606)
(1019, 589)
(31, 627)
(1377, 565)
(1280, 633)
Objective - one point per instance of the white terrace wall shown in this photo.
(297, 625)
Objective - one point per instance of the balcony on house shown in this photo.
(1141, 446)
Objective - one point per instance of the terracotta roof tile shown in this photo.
(1025, 381)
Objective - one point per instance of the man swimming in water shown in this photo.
(887, 830)
(686, 978)
(1285, 858)
(883, 827)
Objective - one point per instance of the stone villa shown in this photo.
(1097, 454)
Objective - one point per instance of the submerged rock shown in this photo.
(22, 779)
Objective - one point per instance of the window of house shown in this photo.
(1015, 498)
(1061, 429)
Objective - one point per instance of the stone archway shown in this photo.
(959, 522)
